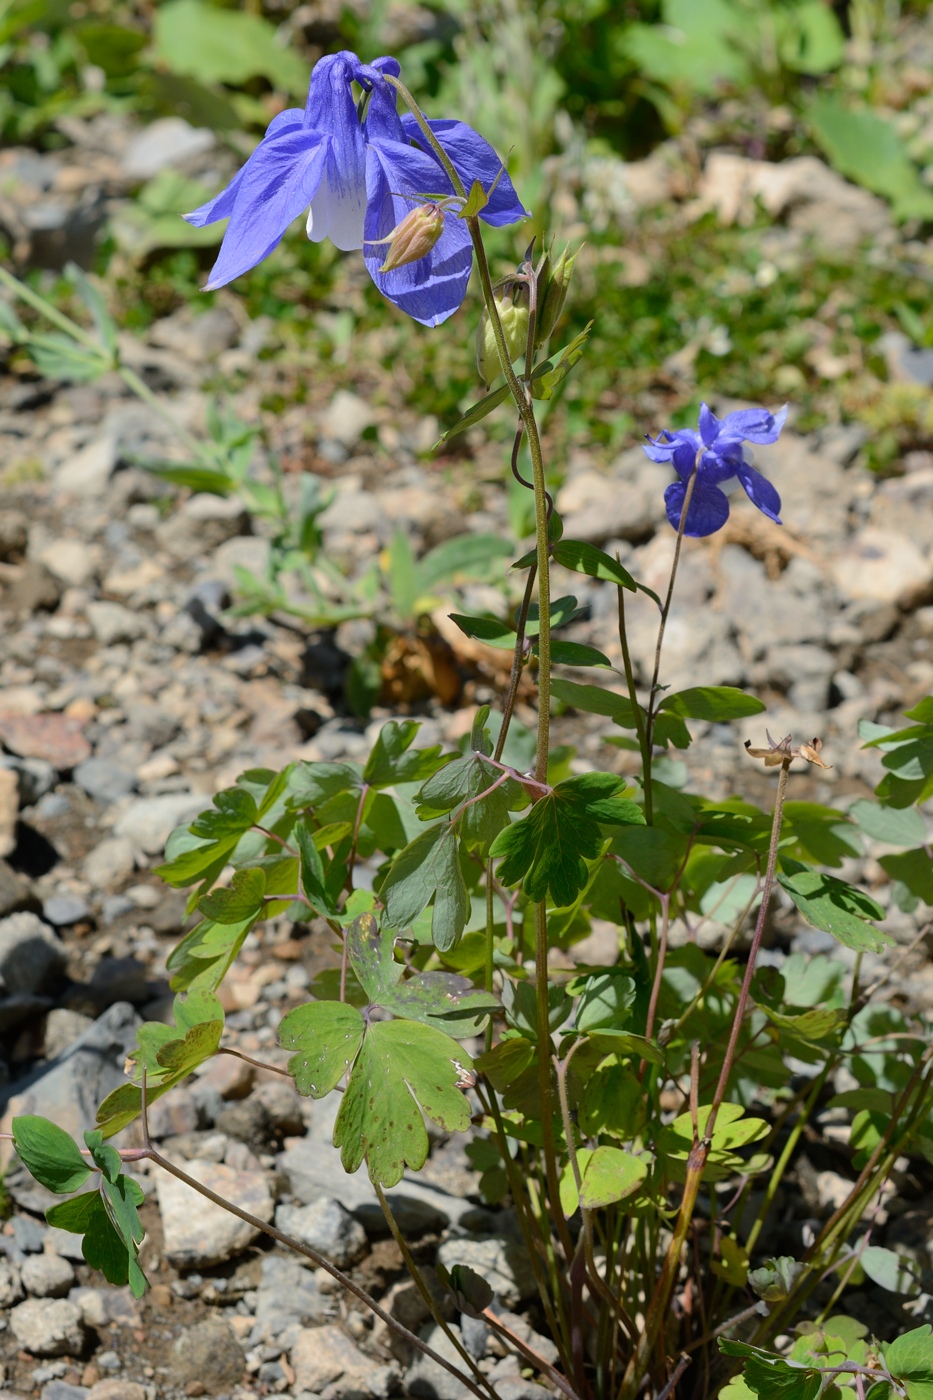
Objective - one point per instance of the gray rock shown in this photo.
(48, 1327)
(62, 910)
(907, 363)
(101, 1306)
(164, 143)
(61, 1390)
(518, 1388)
(32, 957)
(116, 1388)
(15, 891)
(426, 1378)
(113, 623)
(47, 1275)
(198, 1233)
(104, 780)
(883, 567)
(69, 1092)
(624, 504)
(327, 1227)
(88, 472)
(202, 524)
(353, 511)
(28, 1234)
(287, 1293)
(209, 1353)
(322, 1357)
(345, 419)
(11, 1285)
(148, 822)
(36, 777)
(110, 863)
(502, 1262)
(62, 1029)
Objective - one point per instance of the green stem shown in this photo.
(640, 728)
(142, 391)
(46, 309)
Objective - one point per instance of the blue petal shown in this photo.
(708, 511)
(716, 467)
(760, 492)
(221, 206)
(429, 290)
(663, 451)
(473, 159)
(279, 181)
(753, 425)
(709, 425)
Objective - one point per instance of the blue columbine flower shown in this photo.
(359, 180)
(715, 452)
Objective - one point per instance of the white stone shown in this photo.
(9, 809)
(88, 472)
(164, 143)
(48, 1327)
(148, 822)
(882, 566)
(198, 1233)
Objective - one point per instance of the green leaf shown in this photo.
(506, 1062)
(107, 1158)
(312, 872)
(548, 847)
(394, 761)
(243, 900)
(809, 1025)
(890, 1271)
(606, 999)
(52, 1156)
(234, 813)
(868, 149)
(594, 700)
(575, 654)
(895, 826)
(776, 1278)
(585, 558)
(733, 1130)
(476, 413)
(104, 1248)
(466, 780)
(459, 559)
(196, 40)
(914, 869)
(490, 630)
(59, 357)
(910, 1359)
(611, 1174)
(715, 703)
(89, 294)
(837, 908)
(326, 1037)
(121, 1199)
(403, 1070)
(548, 376)
(770, 1376)
(429, 868)
(194, 477)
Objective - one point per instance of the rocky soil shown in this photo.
(129, 695)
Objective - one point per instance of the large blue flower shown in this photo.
(716, 454)
(358, 182)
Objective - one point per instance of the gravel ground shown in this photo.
(128, 695)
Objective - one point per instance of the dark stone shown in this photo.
(15, 891)
(248, 1121)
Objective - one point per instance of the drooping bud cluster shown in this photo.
(512, 306)
(551, 281)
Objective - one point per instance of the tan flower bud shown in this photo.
(515, 327)
(414, 237)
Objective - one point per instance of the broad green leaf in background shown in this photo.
(889, 1270)
(835, 907)
(547, 848)
(868, 149)
(610, 1175)
(393, 760)
(243, 900)
(461, 558)
(429, 868)
(403, 1070)
(715, 703)
(52, 1156)
(914, 869)
(227, 46)
(694, 47)
(893, 825)
(465, 779)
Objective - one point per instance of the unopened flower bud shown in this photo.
(555, 294)
(514, 320)
(414, 237)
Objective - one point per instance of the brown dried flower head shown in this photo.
(780, 751)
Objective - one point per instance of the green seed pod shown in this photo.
(515, 326)
(555, 294)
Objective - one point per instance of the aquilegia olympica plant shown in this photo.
(361, 180)
(716, 453)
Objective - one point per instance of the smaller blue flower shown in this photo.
(715, 454)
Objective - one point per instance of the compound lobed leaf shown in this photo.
(910, 1359)
(104, 1247)
(243, 900)
(611, 1174)
(394, 761)
(429, 867)
(107, 1158)
(325, 1037)
(52, 1156)
(914, 869)
(234, 812)
(547, 848)
(403, 1070)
